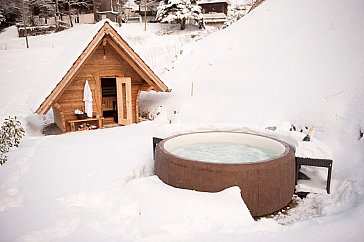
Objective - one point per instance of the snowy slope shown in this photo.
(300, 61)
(284, 56)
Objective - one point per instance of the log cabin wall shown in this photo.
(104, 62)
(58, 117)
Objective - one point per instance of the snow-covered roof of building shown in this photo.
(108, 11)
(130, 4)
(214, 16)
(70, 60)
(213, 1)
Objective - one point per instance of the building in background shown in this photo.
(110, 9)
(214, 11)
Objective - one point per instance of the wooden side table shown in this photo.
(300, 161)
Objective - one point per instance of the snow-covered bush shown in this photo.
(2, 18)
(179, 10)
(11, 133)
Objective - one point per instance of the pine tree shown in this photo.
(11, 132)
(2, 18)
(43, 8)
(179, 10)
(10, 10)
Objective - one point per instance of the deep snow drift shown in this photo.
(293, 61)
(288, 60)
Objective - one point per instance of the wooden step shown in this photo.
(110, 125)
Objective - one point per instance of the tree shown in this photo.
(42, 8)
(24, 16)
(14, 10)
(179, 10)
(72, 7)
(10, 10)
(2, 19)
(11, 132)
(144, 5)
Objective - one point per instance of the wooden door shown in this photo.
(124, 103)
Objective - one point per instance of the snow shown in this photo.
(224, 208)
(314, 150)
(70, 52)
(131, 5)
(213, 1)
(10, 33)
(288, 62)
(72, 49)
(176, 10)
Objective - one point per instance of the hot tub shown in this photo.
(266, 185)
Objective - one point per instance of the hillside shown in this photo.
(287, 62)
(300, 62)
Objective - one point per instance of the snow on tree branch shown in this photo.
(11, 132)
(180, 11)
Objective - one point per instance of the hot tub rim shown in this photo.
(286, 146)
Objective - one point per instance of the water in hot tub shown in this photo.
(224, 152)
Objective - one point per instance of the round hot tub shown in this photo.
(263, 167)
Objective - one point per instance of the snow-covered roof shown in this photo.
(62, 64)
(106, 12)
(62, 71)
(215, 16)
(130, 4)
(213, 1)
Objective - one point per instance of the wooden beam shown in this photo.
(98, 96)
(146, 88)
(104, 42)
(125, 48)
(131, 63)
(121, 47)
(159, 85)
(56, 105)
(71, 72)
(137, 107)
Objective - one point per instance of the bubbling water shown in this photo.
(224, 152)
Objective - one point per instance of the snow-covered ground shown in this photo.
(287, 62)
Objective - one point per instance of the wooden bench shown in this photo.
(100, 122)
(108, 103)
(318, 163)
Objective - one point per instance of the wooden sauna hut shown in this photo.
(116, 76)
